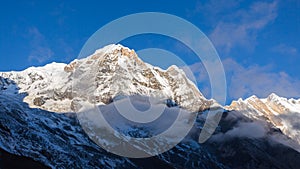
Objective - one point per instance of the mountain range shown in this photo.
(40, 126)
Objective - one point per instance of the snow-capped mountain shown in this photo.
(111, 71)
(57, 140)
(38, 123)
(281, 112)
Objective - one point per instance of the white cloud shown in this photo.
(40, 50)
(250, 130)
(285, 49)
(254, 129)
(240, 28)
(258, 80)
(214, 10)
(40, 54)
(244, 81)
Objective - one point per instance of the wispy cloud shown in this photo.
(244, 81)
(285, 49)
(235, 27)
(67, 49)
(59, 12)
(244, 130)
(214, 11)
(40, 50)
(239, 27)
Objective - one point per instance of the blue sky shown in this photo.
(258, 41)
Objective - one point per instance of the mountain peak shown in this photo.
(273, 96)
(98, 78)
(277, 110)
(116, 50)
(252, 98)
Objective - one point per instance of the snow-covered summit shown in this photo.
(110, 71)
(283, 113)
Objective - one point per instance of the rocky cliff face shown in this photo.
(111, 71)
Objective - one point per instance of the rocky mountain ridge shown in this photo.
(281, 112)
(111, 71)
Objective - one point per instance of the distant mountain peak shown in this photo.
(281, 112)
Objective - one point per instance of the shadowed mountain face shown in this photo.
(241, 142)
(56, 140)
(40, 138)
(12, 161)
